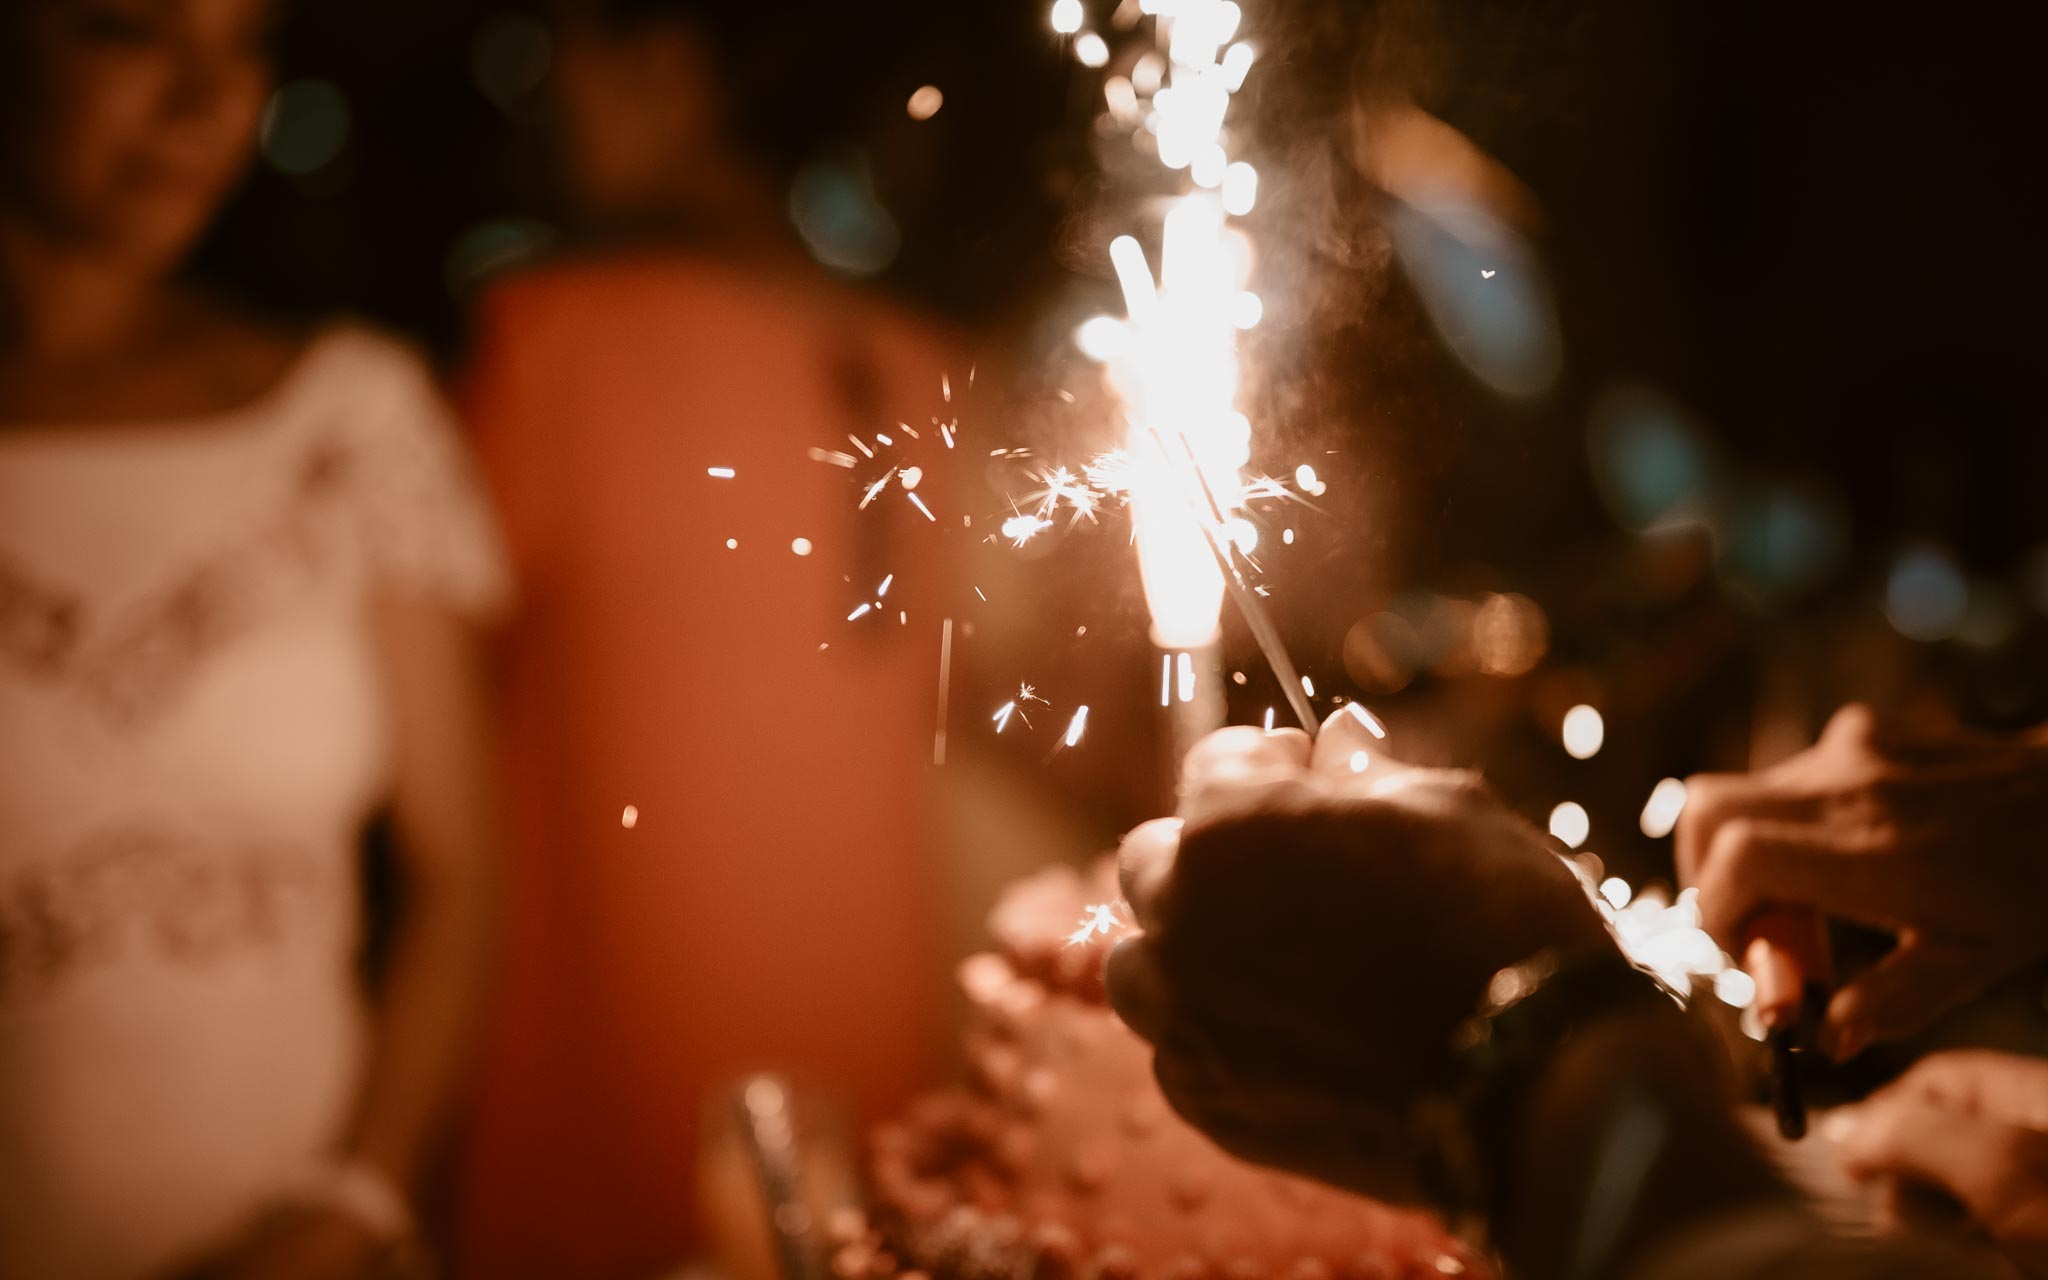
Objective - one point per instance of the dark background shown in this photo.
(1811, 233)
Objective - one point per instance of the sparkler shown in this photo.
(1173, 362)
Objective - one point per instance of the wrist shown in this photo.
(1625, 1135)
(1467, 1131)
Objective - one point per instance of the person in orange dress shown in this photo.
(677, 912)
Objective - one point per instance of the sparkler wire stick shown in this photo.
(1254, 614)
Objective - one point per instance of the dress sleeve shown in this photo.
(426, 521)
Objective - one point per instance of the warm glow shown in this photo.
(925, 103)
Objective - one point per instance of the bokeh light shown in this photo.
(1583, 731)
(509, 58)
(1570, 824)
(925, 102)
(1509, 635)
(1924, 594)
(834, 208)
(304, 126)
(1661, 810)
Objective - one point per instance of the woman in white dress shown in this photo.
(232, 563)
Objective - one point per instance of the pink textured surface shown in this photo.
(1060, 1157)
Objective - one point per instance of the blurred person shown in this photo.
(646, 409)
(232, 561)
(1383, 978)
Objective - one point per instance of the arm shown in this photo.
(426, 1012)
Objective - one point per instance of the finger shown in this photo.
(1242, 749)
(1714, 799)
(1853, 725)
(1753, 863)
(1144, 865)
(1910, 987)
(1136, 988)
(2000, 1086)
(1983, 1164)
(1350, 742)
(1240, 769)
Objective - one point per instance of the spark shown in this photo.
(1269, 719)
(1029, 693)
(863, 611)
(831, 457)
(883, 590)
(946, 434)
(945, 688)
(984, 599)
(918, 502)
(1022, 528)
(1101, 918)
(720, 473)
(1308, 686)
(1003, 714)
(1368, 719)
(882, 439)
(862, 447)
(1078, 725)
(874, 489)
(910, 476)
(630, 817)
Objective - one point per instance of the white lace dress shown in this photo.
(191, 737)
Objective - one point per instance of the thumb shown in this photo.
(1915, 983)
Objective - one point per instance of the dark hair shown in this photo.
(789, 87)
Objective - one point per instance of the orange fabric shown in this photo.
(772, 905)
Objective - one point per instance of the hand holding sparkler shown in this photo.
(1936, 842)
(1317, 921)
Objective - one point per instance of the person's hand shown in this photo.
(1938, 843)
(297, 1243)
(1971, 1124)
(1312, 934)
